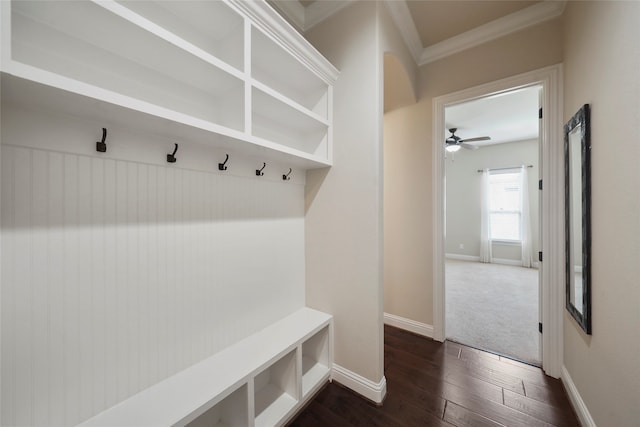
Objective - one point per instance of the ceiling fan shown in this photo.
(454, 142)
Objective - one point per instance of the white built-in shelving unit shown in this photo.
(231, 74)
(261, 381)
(228, 74)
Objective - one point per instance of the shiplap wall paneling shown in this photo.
(117, 274)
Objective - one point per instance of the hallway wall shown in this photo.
(602, 68)
(343, 216)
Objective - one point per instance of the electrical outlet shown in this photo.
(461, 245)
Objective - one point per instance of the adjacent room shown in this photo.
(492, 224)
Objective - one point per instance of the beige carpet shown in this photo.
(493, 307)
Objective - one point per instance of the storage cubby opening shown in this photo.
(278, 69)
(315, 359)
(210, 25)
(275, 391)
(86, 42)
(311, 143)
(232, 411)
(276, 121)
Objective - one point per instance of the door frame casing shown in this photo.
(551, 199)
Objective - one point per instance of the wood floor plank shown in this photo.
(444, 385)
(534, 375)
(409, 410)
(424, 347)
(317, 415)
(462, 417)
(458, 372)
(511, 371)
(443, 389)
(520, 364)
(540, 410)
(357, 412)
(428, 378)
(496, 411)
(552, 394)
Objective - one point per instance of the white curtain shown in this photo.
(485, 220)
(525, 226)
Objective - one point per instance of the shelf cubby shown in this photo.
(88, 43)
(278, 69)
(315, 360)
(276, 391)
(275, 120)
(209, 25)
(232, 411)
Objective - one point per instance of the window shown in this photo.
(505, 205)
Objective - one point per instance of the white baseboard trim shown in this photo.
(463, 257)
(576, 400)
(503, 261)
(367, 388)
(409, 325)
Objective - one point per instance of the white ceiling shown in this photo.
(506, 117)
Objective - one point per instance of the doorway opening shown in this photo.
(551, 204)
(492, 284)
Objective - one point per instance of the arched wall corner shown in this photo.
(399, 89)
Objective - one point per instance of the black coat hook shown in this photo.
(287, 177)
(101, 146)
(221, 166)
(171, 158)
(259, 171)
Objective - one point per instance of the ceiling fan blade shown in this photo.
(469, 146)
(479, 138)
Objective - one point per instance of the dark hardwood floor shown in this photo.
(445, 384)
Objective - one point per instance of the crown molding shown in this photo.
(267, 19)
(404, 22)
(500, 27)
(305, 18)
(318, 11)
(293, 10)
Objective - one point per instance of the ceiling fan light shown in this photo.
(452, 148)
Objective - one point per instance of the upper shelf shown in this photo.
(88, 43)
(278, 69)
(183, 63)
(209, 25)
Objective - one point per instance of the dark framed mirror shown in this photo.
(577, 178)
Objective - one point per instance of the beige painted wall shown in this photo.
(407, 211)
(398, 89)
(602, 68)
(343, 222)
(463, 195)
(408, 158)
